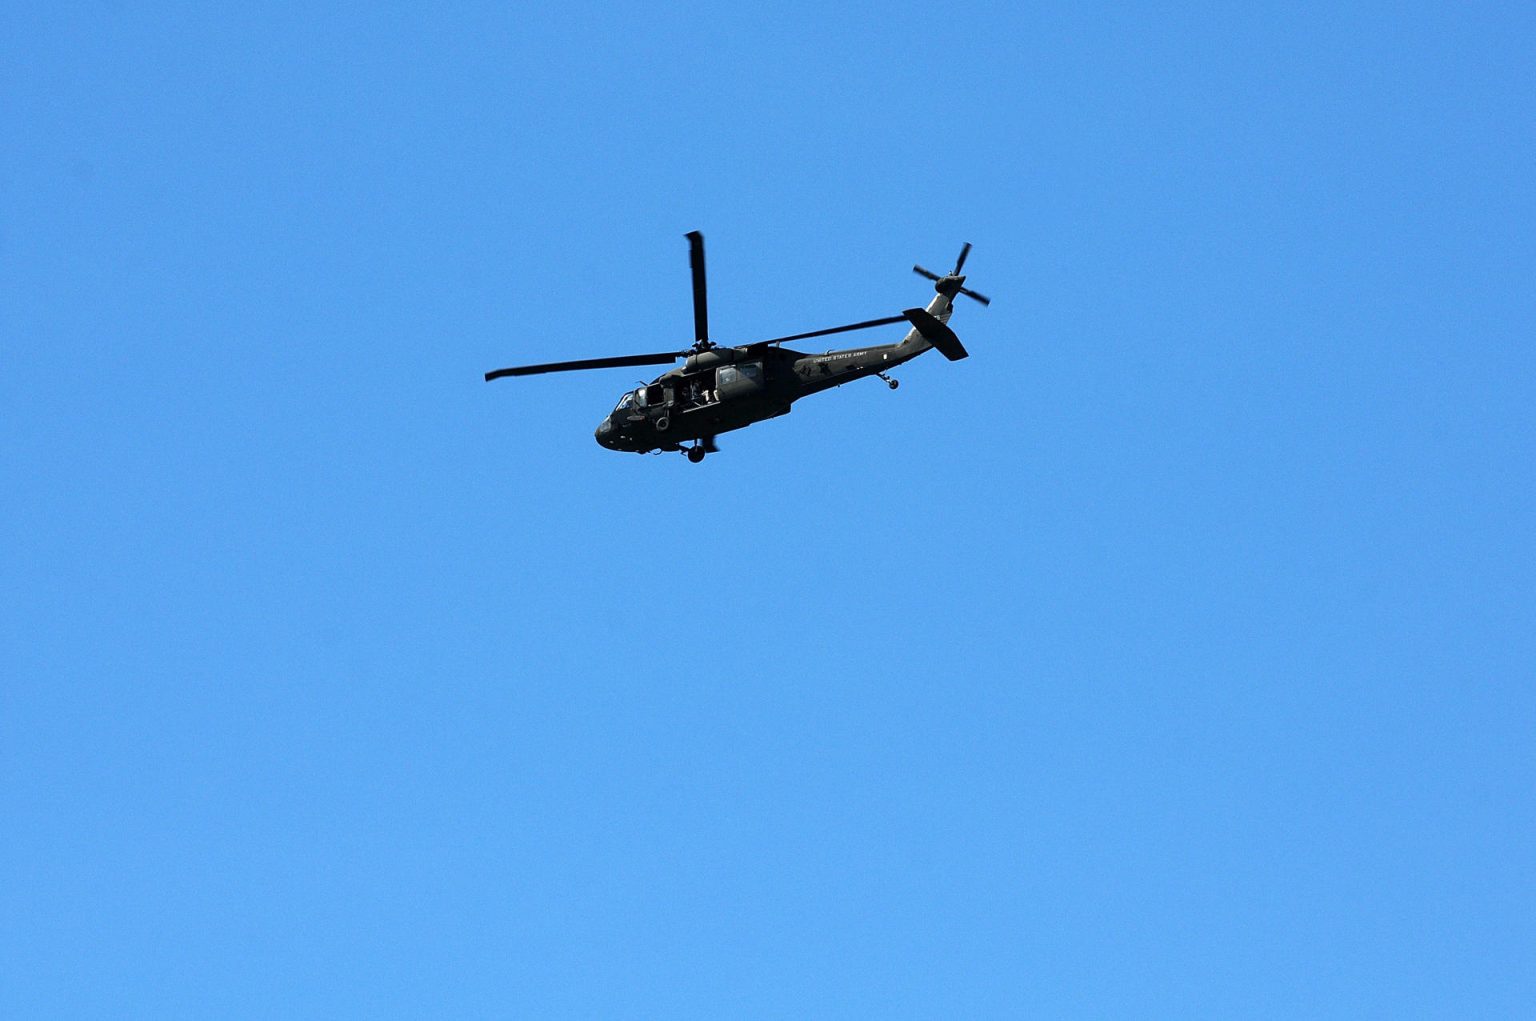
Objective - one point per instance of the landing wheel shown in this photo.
(893, 383)
(695, 454)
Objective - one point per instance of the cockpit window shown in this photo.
(627, 401)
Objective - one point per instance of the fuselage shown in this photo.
(726, 388)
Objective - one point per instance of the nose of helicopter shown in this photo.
(604, 434)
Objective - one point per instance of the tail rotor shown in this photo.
(952, 283)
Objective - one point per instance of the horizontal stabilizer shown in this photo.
(937, 334)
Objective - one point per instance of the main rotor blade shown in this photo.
(660, 358)
(700, 304)
(836, 329)
(960, 262)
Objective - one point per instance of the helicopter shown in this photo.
(718, 389)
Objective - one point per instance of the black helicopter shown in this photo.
(718, 389)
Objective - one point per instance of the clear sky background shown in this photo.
(1172, 656)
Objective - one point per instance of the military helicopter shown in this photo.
(718, 389)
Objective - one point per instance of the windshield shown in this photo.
(627, 401)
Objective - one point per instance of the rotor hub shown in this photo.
(950, 286)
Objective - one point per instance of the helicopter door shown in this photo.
(744, 379)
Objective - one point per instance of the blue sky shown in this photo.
(1172, 656)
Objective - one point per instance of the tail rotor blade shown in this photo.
(960, 262)
(930, 274)
(700, 302)
(972, 294)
